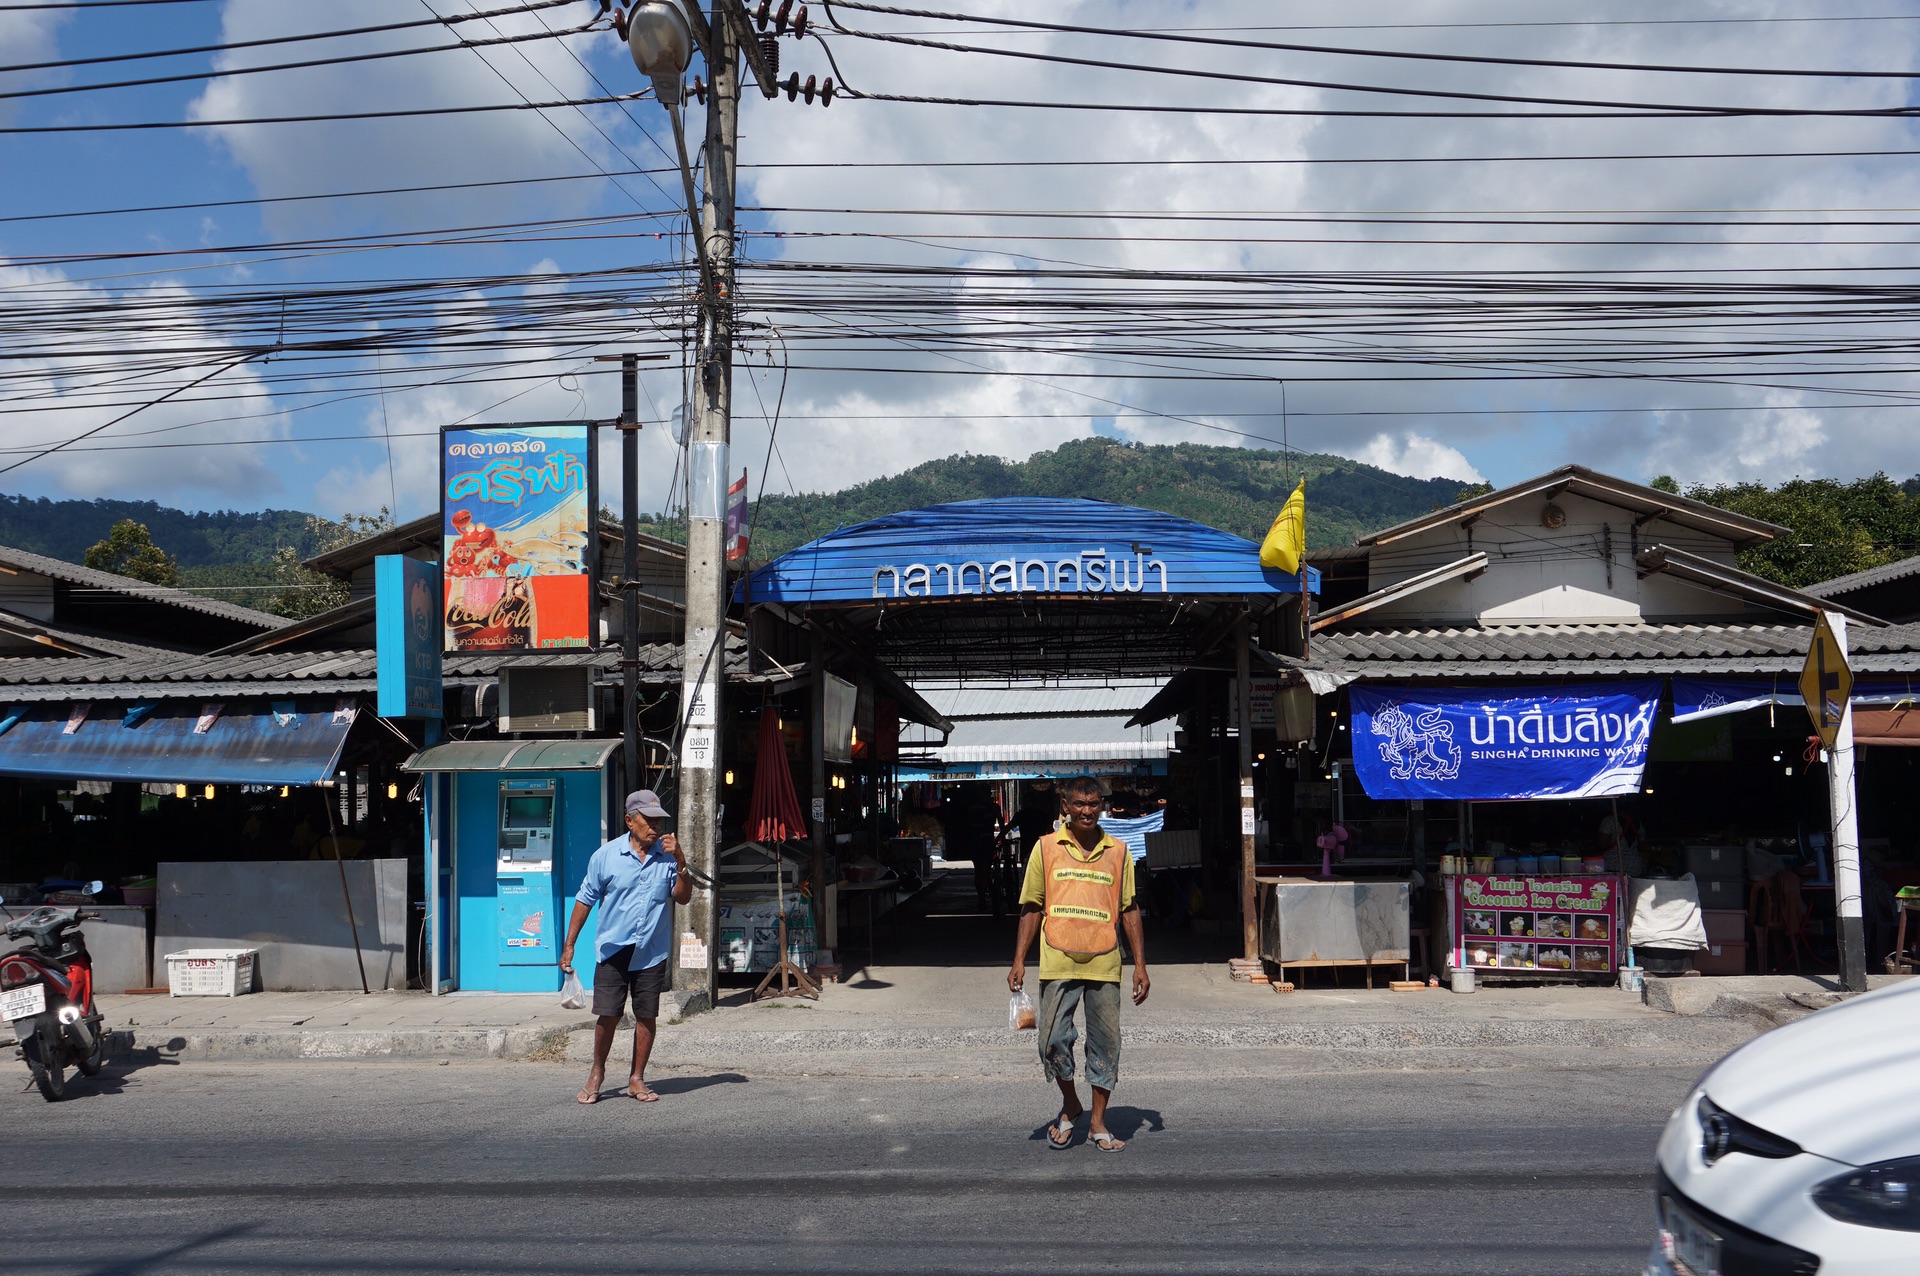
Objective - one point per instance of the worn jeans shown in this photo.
(1058, 998)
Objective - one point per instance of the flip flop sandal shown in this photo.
(1062, 1125)
(1105, 1141)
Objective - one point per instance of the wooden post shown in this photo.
(1243, 679)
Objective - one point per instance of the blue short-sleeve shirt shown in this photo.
(635, 895)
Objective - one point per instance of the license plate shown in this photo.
(23, 1003)
(1692, 1248)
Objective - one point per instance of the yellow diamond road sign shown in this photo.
(1825, 682)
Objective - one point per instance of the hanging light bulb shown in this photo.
(209, 792)
(179, 790)
(393, 791)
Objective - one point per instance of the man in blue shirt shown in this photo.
(631, 878)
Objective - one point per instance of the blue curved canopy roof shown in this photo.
(1016, 546)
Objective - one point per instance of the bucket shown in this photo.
(1633, 979)
(1463, 979)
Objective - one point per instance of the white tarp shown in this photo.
(1666, 914)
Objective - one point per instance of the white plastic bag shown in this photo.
(572, 995)
(1020, 1013)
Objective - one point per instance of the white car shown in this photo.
(1800, 1152)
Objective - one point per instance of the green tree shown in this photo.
(1666, 483)
(1836, 528)
(300, 592)
(128, 550)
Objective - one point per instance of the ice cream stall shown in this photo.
(1552, 907)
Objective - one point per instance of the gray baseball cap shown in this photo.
(646, 802)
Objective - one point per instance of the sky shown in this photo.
(1481, 298)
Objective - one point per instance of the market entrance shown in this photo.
(1048, 608)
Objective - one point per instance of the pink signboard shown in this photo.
(1547, 925)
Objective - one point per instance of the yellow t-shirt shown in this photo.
(1055, 964)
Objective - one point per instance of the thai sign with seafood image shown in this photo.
(1571, 741)
(518, 547)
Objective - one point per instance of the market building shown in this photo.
(905, 667)
(1448, 636)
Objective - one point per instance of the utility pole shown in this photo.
(630, 570)
(703, 674)
(1843, 807)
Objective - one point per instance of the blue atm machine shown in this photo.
(529, 910)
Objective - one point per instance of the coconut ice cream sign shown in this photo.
(1588, 740)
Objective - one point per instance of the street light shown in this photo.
(661, 44)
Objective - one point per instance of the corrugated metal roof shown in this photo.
(1737, 528)
(1081, 738)
(1031, 699)
(1881, 575)
(1602, 650)
(87, 577)
(949, 551)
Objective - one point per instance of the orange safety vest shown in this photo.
(1083, 898)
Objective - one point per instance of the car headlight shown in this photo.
(1884, 1195)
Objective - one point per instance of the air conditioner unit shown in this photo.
(546, 699)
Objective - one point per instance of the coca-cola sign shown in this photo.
(517, 524)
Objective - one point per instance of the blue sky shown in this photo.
(269, 432)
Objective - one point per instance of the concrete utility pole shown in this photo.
(703, 675)
(1243, 686)
(1843, 806)
(630, 569)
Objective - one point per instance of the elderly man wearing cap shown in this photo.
(631, 878)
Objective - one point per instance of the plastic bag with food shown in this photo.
(572, 995)
(1020, 1013)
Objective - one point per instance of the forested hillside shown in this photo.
(1236, 489)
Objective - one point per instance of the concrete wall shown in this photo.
(292, 911)
(1553, 577)
(122, 946)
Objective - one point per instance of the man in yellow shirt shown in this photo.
(1077, 898)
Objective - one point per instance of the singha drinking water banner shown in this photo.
(1588, 740)
(517, 520)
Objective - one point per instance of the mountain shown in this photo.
(226, 538)
(1235, 489)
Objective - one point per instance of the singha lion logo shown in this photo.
(1421, 748)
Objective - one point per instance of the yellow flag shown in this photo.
(1286, 542)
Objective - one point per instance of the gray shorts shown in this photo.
(613, 983)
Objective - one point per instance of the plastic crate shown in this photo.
(1722, 959)
(1725, 925)
(1722, 894)
(211, 972)
(1717, 861)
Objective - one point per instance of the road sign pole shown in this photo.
(1843, 805)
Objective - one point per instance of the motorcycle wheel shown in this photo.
(44, 1062)
(96, 1058)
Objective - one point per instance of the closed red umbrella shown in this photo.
(774, 813)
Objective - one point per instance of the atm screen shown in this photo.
(529, 813)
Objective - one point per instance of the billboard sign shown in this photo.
(407, 634)
(519, 541)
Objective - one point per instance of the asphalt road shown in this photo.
(493, 1168)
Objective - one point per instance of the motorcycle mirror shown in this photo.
(95, 887)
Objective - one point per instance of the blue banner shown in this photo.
(1588, 740)
(1697, 698)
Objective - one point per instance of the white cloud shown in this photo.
(1418, 456)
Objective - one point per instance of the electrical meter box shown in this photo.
(529, 910)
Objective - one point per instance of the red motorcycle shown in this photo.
(46, 994)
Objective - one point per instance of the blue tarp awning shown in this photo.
(161, 745)
(1016, 546)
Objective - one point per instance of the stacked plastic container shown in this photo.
(1720, 874)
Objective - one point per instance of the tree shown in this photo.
(301, 592)
(128, 550)
(1837, 528)
(1666, 483)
